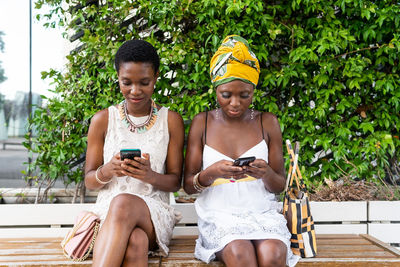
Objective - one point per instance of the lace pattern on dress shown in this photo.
(155, 143)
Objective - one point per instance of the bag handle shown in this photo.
(292, 166)
(294, 171)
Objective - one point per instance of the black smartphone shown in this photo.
(130, 153)
(243, 161)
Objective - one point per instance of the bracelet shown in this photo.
(196, 184)
(97, 177)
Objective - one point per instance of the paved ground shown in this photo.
(12, 160)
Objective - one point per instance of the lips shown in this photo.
(234, 112)
(136, 100)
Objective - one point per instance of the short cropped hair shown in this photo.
(137, 51)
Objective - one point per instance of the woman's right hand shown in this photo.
(112, 168)
(224, 169)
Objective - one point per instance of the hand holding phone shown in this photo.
(130, 153)
(243, 161)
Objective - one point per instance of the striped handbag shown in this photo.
(296, 209)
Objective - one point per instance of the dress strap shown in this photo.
(262, 127)
(205, 129)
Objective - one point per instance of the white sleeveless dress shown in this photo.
(155, 142)
(238, 210)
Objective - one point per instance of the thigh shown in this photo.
(238, 253)
(270, 252)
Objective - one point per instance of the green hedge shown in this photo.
(329, 71)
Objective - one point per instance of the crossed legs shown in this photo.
(126, 235)
(249, 253)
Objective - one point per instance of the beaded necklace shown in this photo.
(138, 128)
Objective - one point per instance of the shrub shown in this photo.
(329, 71)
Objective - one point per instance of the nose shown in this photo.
(135, 89)
(235, 101)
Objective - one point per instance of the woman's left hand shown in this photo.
(140, 168)
(257, 169)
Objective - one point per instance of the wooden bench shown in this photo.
(30, 235)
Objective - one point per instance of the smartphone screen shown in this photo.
(243, 161)
(130, 153)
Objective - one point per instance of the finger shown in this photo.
(132, 163)
(118, 156)
(141, 161)
(235, 169)
(259, 163)
(130, 171)
(227, 162)
(236, 173)
(146, 156)
(238, 177)
(252, 169)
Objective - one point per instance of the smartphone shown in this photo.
(130, 153)
(243, 161)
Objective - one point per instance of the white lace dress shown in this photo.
(155, 142)
(243, 209)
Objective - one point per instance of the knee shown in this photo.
(238, 251)
(137, 246)
(272, 253)
(122, 207)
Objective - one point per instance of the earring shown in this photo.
(217, 110)
(217, 114)
(252, 114)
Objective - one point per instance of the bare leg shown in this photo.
(270, 252)
(126, 213)
(238, 253)
(136, 253)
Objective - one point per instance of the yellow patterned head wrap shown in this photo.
(234, 61)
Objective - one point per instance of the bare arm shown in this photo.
(194, 152)
(94, 153)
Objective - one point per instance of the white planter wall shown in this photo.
(380, 219)
(349, 217)
(384, 220)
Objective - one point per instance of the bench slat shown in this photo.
(334, 250)
(341, 228)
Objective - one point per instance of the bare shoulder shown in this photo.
(174, 116)
(98, 124)
(197, 125)
(269, 118)
(100, 118)
(271, 125)
(200, 118)
(175, 121)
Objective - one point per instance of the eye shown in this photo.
(245, 95)
(126, 82)
(226, 95)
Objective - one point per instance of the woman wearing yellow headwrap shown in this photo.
(238, 219)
